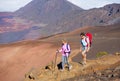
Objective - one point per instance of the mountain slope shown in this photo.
(30, 21)
(107, 15)
(46, 11)
(67, 19)
(41, 18)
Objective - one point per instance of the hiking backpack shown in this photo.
(89, 36)
(68, 48)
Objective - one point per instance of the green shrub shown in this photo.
(100, 54)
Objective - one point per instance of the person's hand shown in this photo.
(57, 51)
(80, 50)
(88, 49)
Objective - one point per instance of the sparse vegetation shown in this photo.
(100, 54)
(117, 53)
(101, 21)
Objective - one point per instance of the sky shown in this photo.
(13, 5)
(88, 4)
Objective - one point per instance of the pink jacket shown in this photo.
(63, 50)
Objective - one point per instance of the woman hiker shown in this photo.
(65, 50)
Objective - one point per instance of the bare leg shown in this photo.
(84, 56)
(84, 59)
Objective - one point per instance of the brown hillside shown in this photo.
(18, 58)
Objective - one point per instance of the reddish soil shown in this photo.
(16, 60)
(19, 58)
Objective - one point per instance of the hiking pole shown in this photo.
(55, 59)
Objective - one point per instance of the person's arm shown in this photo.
(88, 42)
(60, 50)
(80, 48)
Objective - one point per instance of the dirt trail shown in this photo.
(92, 66)
(16, 60)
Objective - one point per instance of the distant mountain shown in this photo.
(107, 15)
(62, 16)
(46, 11)
(3, 16)
(42, 18)
(11, 29)
(30, 21)
(113, 11)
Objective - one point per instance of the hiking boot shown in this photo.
(70, 67)
(62, 70)
(83, 63)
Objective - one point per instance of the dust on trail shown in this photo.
(51, 74)
(17, 59)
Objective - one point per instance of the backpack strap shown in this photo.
(67, 46)
(86, 41)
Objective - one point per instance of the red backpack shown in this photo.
(89, 35)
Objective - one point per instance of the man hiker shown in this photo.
(84, 46)
(65, 50)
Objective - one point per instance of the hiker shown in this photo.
(84, 46)
(65, 50)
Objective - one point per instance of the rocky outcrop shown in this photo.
(94, 70)
(109, 74)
